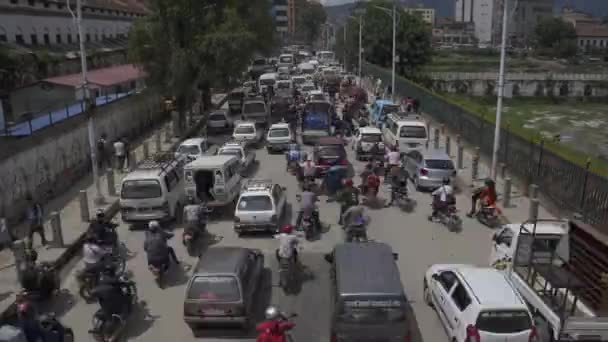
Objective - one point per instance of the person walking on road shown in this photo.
(101, 151)
(34, 218)
(120, 153)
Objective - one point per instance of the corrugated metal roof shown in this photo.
(102, 77)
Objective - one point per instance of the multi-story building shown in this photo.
(280, 9)
(449, 32)
(48, 22)
(427, 14)
(291, 16)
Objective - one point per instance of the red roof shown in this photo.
(591, 30)
(101, 77)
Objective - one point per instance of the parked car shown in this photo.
(192, 148)
(428, 168)
(261, 207)
(245, 155)
(477, 304)
(218, 121)
(224, 288)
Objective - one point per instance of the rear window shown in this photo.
(321, 107)
(371, 138)
(413, 132)
(244, 130)
(231, 152)
(237, 95)
(286, 59)
(298, 80)
(217, 117)
(504, 322)
(215, 289)
(387, 109)
(259, 62)
(278, 133)
(283, 85)
(140, 189)
(372, 312)
(440, 164)
(268, 81)
(308, 87)
(255, 203)
(331, 151)
(254, 108)
(188, 149)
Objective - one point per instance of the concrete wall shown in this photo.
(46, 163)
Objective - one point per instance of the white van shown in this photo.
(214, 179)
(267, 80)
(407, 132)
(286, 60)
(153, 191)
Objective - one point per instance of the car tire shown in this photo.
(417, 185)
(177, 215)
(427, 294)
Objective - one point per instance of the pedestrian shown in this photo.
(120, 153)
(101, 151)
(34, 220)
(416, 104)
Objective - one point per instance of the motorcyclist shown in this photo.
(393, 158)
(371, 184)
(354, 217)
(487, 195)
(348, 197)
(194, 218)
(110, 294)
(274, 327)
(308, 200)
(93, 254)
(157, 249)
(288, 243)
(399, 185)
(29, 277)
(102, 229)
(293, 155)
(442, 197)
(27, 322)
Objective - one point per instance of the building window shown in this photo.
(88, 38)
(19, 38)
(69, 38)
(34, 39)
(14, 2)
(31, 2)
(58, 38)
(96, 37)
(47, 39)
(281, 13)
(3, 38)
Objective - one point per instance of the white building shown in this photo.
(280, 10)
(427, 14)
(46, 22)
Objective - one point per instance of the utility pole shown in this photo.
(88, 102)
(501, 90)
(394, 51)
(344, 47)
(360, 46)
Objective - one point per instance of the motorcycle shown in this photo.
(309, 225)
(47, 283)
(191, 236)
(265, 328)
(107, 328)
(448, 217)
(488, 216)
(53, 330)
(403, 200)
(287, 272)
(357, 231)
(88, 279)
(158, 271)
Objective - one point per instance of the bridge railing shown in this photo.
(570, 187)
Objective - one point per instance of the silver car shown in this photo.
(428, 168)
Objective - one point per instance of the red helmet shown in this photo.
(348, 182)
(287, 229)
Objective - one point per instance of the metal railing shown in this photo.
(45, 119)
(571, 188)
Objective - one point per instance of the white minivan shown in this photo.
(213, 179)
(153, 191)
(408, 133)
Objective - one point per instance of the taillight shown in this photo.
(533, 335)
(473, 334)
(408, 338)
(424, 172)
(343, 162)
(334, 338)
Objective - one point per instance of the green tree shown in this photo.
(309, 18)
(556, 37)
(191, 45)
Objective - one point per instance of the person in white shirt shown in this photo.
(120, 153)
(92, 254)
(394, 161)
(288, 244)
(441, 196)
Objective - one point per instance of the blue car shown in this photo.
(380, 109)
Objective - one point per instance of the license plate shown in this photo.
(213, 312)
(413, 145)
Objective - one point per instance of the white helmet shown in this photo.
(272, 313)
(154, 226)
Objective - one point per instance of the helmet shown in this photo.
(154, 226)
(446, 181)
(23, 308)
(348, 182)
(489, 182)
(100, 214)
(272, 313)
(287, 229)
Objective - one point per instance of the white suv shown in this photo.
(478, 304)
(279, 137)
(261, 207)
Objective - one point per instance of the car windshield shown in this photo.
(371, 138)
(285, 59)
(318, 97)
(441, 164)
(259, 62)
(255, 203)
(299, 80)
(359, 312)
(268, 81)
(188, 149)
(254, 108)
(231, 152)
(504, 322)
(330, 151)
(140, 189)
(278, 133)
(308, 87)
(317, 107)
(283, 85)
(244, 130)
(387, 109)
(214, 289)
(413, 132)
(217, 117)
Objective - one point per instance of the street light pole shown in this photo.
(501, 90)
(394, 50)
(98, 199)
(360, 46)
(344, 47)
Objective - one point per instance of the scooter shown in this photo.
(88, 279)
(191, 235)
(159, 270)
(488, 216)
(53, 330)
(448, 217)
(107, 328)
(264, 330)
(287, 272)
(403, 200)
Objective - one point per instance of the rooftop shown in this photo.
(584, 29)
(490, 286)
(101, 77)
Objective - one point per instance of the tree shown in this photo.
(556, 37)
(309, 18)
(190, 45)
(413, 37)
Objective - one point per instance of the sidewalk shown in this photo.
(68, 206)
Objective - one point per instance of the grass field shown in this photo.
(568, 127)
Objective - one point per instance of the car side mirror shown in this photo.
(396, 256)
(435, 276)
(329, 257)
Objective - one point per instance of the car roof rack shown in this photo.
(161, 161)
(258, 184)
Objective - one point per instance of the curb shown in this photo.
(9, 313)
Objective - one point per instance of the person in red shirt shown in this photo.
(275, 326)
(486, 194)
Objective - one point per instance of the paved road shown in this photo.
(418, 242)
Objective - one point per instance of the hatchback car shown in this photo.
(192, 148)
(224, 287)
(428, 168)
(261, 207)
(218, 121)
(478, 304)
(328, 152)
(279, 137)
